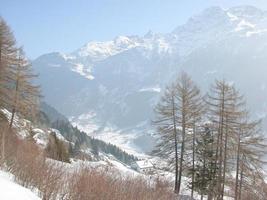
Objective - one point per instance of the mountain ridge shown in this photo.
(110, 79)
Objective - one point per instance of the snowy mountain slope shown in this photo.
(110, 79)
(25, 129)
(10, 190)
(81, 144)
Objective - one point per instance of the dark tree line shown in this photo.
(82, 141)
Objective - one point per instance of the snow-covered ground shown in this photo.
(122, 140)
(9, 190)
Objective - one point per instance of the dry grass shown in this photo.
(92, 184)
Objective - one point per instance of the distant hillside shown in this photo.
(80, 140)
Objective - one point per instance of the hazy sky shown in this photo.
(43, 26)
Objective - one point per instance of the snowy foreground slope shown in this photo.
(10, 190)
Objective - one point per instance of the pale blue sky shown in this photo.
(43, 26)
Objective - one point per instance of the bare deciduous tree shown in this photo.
(7, 59)
(179, 106)
(251, 148)
(25, 93)
(167, 129)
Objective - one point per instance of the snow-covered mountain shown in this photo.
(109, 88)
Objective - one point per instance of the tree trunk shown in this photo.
(193, 167)
(219, 187)
(241, 182)
(0, 54)
(237, 168)
(3, 145)
(16, 95)
(204, 169)
(176, 150)
(224, 161)
(214, 181)
(210, 196)
(3, 132)
(182, 145)
(12, 118)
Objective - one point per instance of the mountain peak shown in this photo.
(125, 42)
(225, 19)
(149, 34)
(207, 20)
(210, 13)
(212, 9)
(98, 51)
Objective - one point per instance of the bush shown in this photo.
(95, 184)
(57, 149)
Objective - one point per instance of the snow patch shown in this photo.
(67, 57)
(40, 137)
(10, 190)
(85, 122)
(256, 32)
(152, 89)
(232, 17)
(22, 125)
(80, 69)
(144, 164)
(244, 25)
